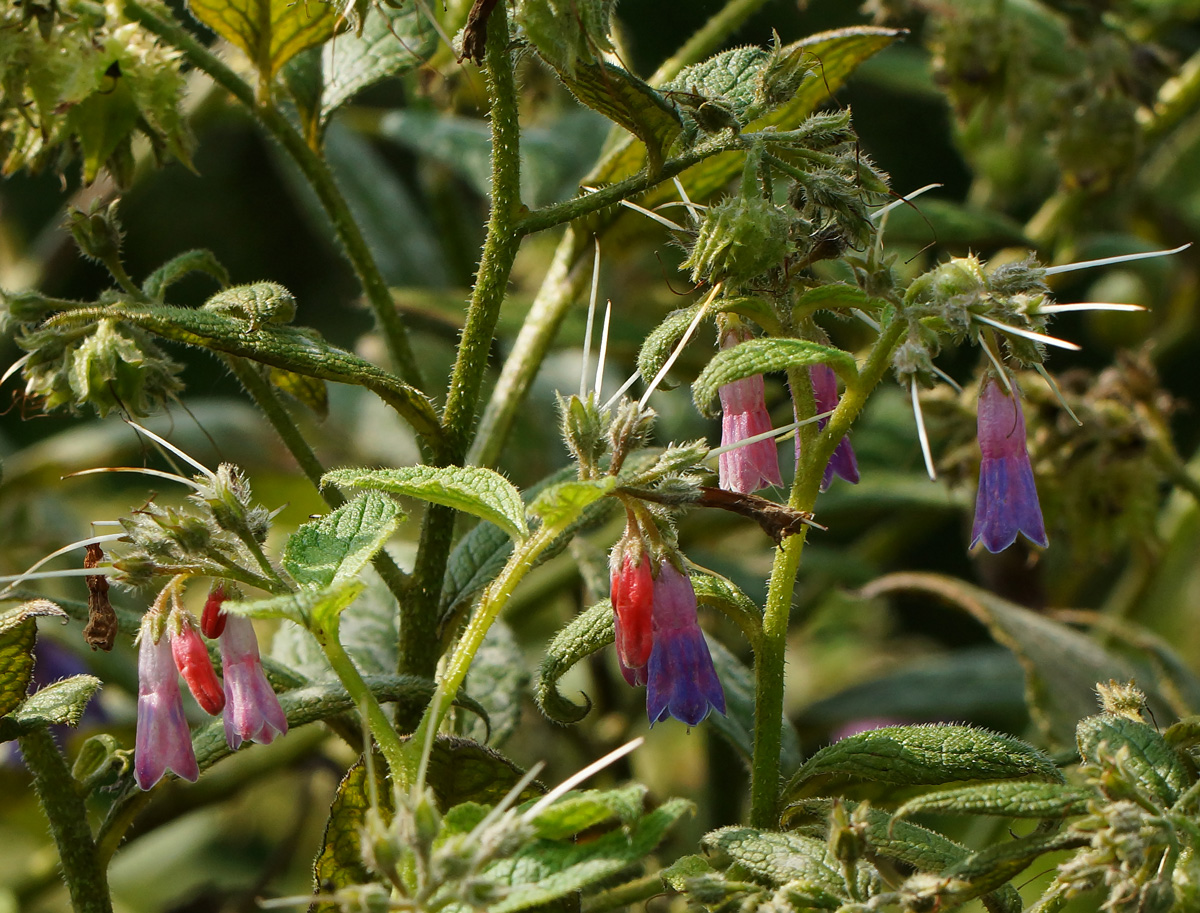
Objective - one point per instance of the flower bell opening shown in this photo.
(163, 741)
(252, 711)
(1007, 502)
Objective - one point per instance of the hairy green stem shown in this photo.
(770, 660)
(315, 171)
(494, 598)
(352, 680)
(419, 634)
(267, 400)
(622, 896)
(58, 793)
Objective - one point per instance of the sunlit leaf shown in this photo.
(332, 551)
(17, 634)
(269, 32)
(61, 703)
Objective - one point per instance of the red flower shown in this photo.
(632, 594)
(191, 658)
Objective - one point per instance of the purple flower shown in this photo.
(681, 680)
(843, 462)
(744, 414)
(252, 710)
(163, 742)
(1007, 502)
(632, 595)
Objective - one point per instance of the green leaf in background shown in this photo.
(311, 391)
(333, 551)
(61, 703)
(269, 32)
(473, 490)
(781, 858)
(1010, 799)
(723, 595)
(948, 223)
(1061, 665)
(393, 41)
(920, 755)
(544, 871)
(1144, 754)
(18, 631)
(737, 723)
(498, 679)
(589, 631)
(760, 356)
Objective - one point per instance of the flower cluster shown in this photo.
(171, 643)
(659, 641)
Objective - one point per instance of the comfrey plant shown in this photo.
(405, 653)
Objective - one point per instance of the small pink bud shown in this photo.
(212, 619)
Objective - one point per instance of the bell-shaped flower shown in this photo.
(252, 710)
(163, 742)
(1007, 502)
(191, 658)
(632, 596)
(681, 680)
(744, 414)
(843, 462)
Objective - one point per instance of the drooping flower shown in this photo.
(743, 415)
(843, 462)
(191, 658)
(252, 710)
(1007, 502)
(681, 680)
(163, 742)
(632, 595)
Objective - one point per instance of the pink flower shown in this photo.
(843, 462)
(681, 680)
(1007, 502)
(744, 414)
(252, 710)
(632, 595)
(163, 742)
(212, 619)
(191, 658)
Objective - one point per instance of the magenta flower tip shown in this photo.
(163, 741)
(252, 710)
(681, 680)
(843, 463)
(1007, 502)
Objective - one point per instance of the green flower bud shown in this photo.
(260, 303)
(583, 430)
(97, 232)
(740, 239)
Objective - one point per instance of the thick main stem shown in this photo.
(419, 634)
(63, 805)
(770, 659)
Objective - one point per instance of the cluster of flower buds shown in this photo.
(659, 641)
(172, 646)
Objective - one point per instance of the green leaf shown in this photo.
(834, 295)
(393, 41)
(17, 635)
(759, 356)
(579, 811)
(1061, 665)
(588, 632)
(311, 391)
(834, 54)
(333, 551)
(752, 308)
(306, 608)
(339, 862)
(562, 504)
(269, 32)
(192, 261)
(543, 870)
(291, 348)
(61, 703)
(97, 757)
(920, 755)
(737, 723)
(781, 858)
(731, 78)
(102, 122)
(474, 490)
(1144, 754)
(723, 594)
(1011, 799)
(683, 869)
(626, 100)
